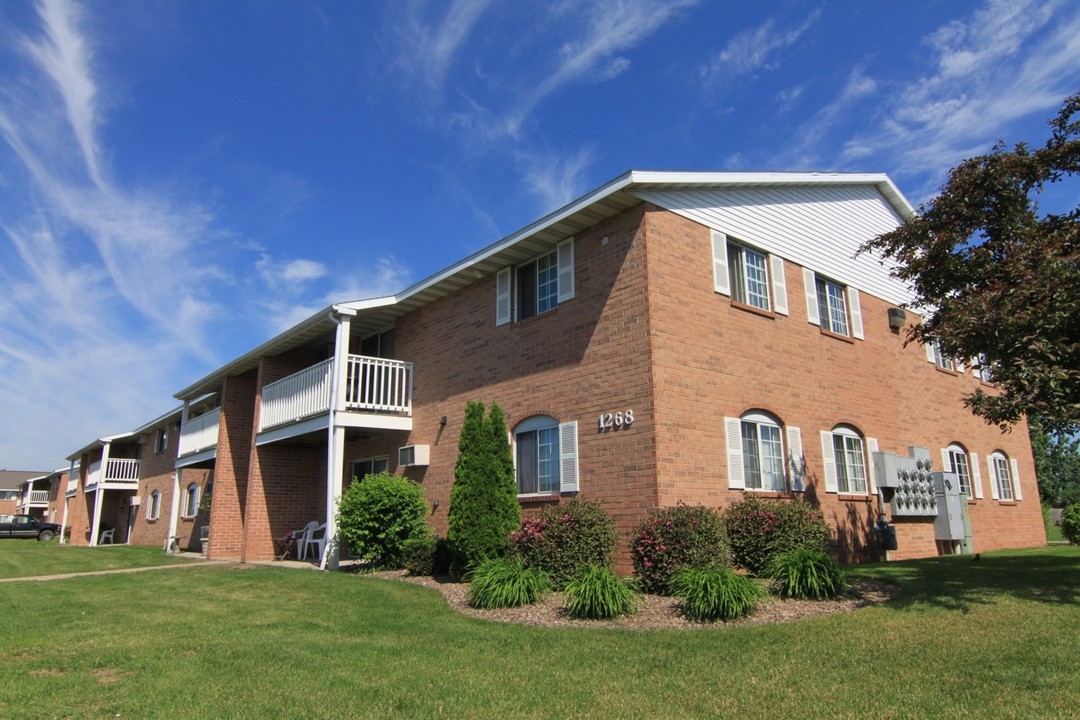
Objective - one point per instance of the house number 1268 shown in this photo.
(614, 421)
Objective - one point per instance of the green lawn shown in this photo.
(964, 639)
(22, 558)
(1053, 533)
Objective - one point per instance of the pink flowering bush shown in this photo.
(760, 528)
(563, 540)
(672, 539)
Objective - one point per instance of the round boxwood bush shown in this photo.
(563, 540)
(378, 515)
(1070, 523)
(758, 529)
(670, 539)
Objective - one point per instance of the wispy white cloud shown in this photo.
(428, 50)
(292, 274)
(752, 50)
(556, 180)
(807, 145)
(1004, 62)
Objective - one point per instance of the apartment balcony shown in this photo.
(198, 438)
(378, 394)
(39, 498)
(119, 472)
(72, 484)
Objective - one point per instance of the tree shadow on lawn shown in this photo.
(960, 582)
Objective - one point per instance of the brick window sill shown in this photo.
(849, 497)
(542, 498)
(837, 336)
(535, 318)
(770, 494)
(946, 371)
(1006, 502)
(753, 310)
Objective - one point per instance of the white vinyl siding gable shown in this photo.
(820, 227)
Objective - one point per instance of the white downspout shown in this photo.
(174, 510)
(335, 440)
(67, 500)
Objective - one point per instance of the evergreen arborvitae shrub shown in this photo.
(759, 529)
(1070, 523)
(484, 508)
(670, 539)
(418, 554)
(379, 515)
(564, 539)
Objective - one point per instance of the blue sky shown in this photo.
(181, 180)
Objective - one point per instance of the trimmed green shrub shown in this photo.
(715, 593)
(563, 540)
(806, 574)
(600, 594)
(1070, 523)
(671, 539)
(376, 516)
(418, 554)
(506, 583)
(758, 529)
(484, 508)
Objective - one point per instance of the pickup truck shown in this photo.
(25, 526)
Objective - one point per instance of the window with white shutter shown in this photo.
(535, 287)
(545, 456)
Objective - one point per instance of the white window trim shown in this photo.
(949, 465)
(1012, 481)
(831, 472)
(775, 284)
(506, 290)
(760, 418)
(567, 459)
(852, 305)
(152, 512)
(372, 460)
(190, 499)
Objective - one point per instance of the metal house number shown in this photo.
(615, 421)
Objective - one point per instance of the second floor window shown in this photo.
(749, 277)
(535, 287)
(161, 440)
(832, 306)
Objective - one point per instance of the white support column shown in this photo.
(335, 443)
(99, 494)
(67, 500)
(174, 511)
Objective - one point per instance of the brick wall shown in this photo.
(235, 439)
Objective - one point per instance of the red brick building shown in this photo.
(127, 484)
(667, 338)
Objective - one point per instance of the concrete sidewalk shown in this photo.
(46, 578)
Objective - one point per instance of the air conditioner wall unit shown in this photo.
(412, 455)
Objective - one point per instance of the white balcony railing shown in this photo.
(39, 497)
(298, 396)
(200, 433)
(379, 385)
(73, 482)
(117, 470)
(371, 385)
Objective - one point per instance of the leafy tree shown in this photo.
(1057, 463)
(483, 501)
(1001, 278)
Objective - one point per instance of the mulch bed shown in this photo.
(655, 612)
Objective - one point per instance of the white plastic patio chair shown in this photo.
(302, 536)
(106, 536)
(317, 538)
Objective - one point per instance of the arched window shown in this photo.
(1001, 476)
(956, 461)
(191, 501)
(849, 458)
(762, 452)
(545, 456)
(153, 508)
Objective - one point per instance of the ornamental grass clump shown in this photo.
(674, 538)
(715, 593)
(759, 529)
(806, 574)
(565, 539)
(506, 583)
(600, 594)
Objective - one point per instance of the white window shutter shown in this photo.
(1016, 479)
(976, 476)
(930, 352)
(721, 280)
(796, 460)
(502, 296)
(810, 288)
(513, 451)
(568, 457)
(733, 433)
(993, 478)
(566, 270)
(779, 285)
(856, 313)
(946, 460)
(871, 479)
(959, 365)
(828, 460)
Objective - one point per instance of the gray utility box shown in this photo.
(911, 484)
(952, 524)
